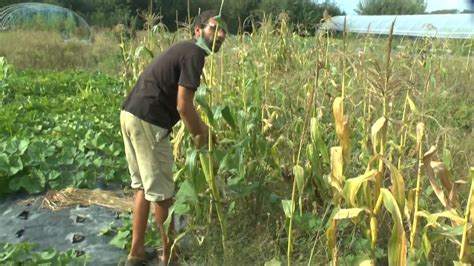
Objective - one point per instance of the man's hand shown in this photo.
(202, 140)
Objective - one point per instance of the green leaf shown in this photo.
(204, 158)
(282, 143)
(4, 164)
(397, 245)
(287, 208)
(447, 232)
(121, 239)
(48, 255)
(106, 231)
(298, 172)
(228, 117)
(14, 183)
(185, 196)
(273, 262)
(426, 242)
(23, 146)
(31, 184)
(16, 165)
(200, 98)
(447, 159)
(53, 175)
(398, 184)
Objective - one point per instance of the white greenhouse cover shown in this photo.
(442, 26)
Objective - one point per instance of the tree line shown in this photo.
(302, 14)
(108, 13)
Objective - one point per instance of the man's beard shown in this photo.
(209, 43)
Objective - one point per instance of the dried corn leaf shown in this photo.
(429, 171)
(342, 126)
(449, 187)
(336, 179)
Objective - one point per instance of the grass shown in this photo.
(46, 50)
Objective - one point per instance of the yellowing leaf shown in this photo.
(352, 185)
(331, 234)
(398, 184)
(348, 213)
(342, 126)
(412, 105)
(433, 169)
(376, 127)
(336, 178)
(397, 245)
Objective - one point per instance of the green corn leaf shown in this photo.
(228, 117)
(205, 166)
(447, 232)
(298, 172)
(200, 98)
(315, 134)
(287, 208)
(397, 245)
(398, 184)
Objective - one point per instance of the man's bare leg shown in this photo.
(161, 214)
(141, 209)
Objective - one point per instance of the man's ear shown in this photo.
(197, 31)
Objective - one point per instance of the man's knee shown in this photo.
(165, 203)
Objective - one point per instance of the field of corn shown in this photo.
(340, 150)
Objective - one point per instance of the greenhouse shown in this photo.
(456, 26)
(46, 17)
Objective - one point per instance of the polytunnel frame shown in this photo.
(9, 13)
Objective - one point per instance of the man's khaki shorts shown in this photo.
(149, 157)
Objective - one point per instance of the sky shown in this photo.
(350, 5)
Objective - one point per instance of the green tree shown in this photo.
(390, 7)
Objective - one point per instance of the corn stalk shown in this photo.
(463, 254)
(419, 143)
(207, 160)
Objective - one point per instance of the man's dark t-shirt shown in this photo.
(154, 97)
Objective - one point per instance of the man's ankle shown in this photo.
(137, 253)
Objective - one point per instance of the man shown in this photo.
(162, 96)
